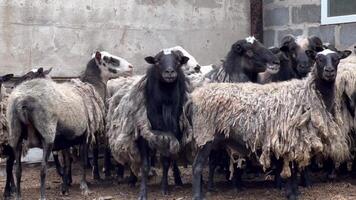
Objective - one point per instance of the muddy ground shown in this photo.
(342, 188)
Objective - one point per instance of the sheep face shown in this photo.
(296, 48)
(327, 63)
(112, 66)
(168, 64)
(259, 57)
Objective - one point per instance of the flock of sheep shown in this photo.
(283, 109)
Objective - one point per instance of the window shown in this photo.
(338, 11)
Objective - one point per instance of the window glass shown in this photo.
(341, 7)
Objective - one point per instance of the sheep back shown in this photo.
(287, 119)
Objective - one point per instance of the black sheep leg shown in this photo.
(176, 174)
(66, 172)
(132, 180)
(120, 171)
(166, 162)
(212, 167)
(18, 153)
(95, 167)
(10, 183)
(277, 174)
(198, 166)
(145, 167)
(107, 163)
(306, 182)
(237, 177)
(292, 184)
(57, 163)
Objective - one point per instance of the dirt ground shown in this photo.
(343, 188)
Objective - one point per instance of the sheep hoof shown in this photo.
(292, 197)
(142, 197)
(164, 191)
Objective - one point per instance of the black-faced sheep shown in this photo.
(245, 60)
(155, 105)
(292, 120)
(56, 116)
(295, 60)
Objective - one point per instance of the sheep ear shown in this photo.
(316, 43)
(310, 53)
(40, 70)
(275, 50)
(344, 54)
(286, 40)
(6, 77)
(150, 60)
(184, 60)
(237, 48)
(98, 56)
(46, 72)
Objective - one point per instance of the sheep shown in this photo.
(148, 117)
(243, 63)
(245, 60)
(56, 116)
(5, 150)
(292, 120)
(117, 88)
(295, 62)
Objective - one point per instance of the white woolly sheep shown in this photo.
(291, 120)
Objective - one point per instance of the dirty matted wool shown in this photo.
(94, 108)
(117, 88)
(286, 119)
(4, 132)
(130, 121)
(345, 97)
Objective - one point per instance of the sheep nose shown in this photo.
(329, 69)
(130, 66)
(169, 71)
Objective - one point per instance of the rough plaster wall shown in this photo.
(63, 34)
(303, 17)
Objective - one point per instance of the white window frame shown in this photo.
(334, 20)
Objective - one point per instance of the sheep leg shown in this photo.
(237, 177)
(95, 169)
(18, 153)
(145, 168)
(66, 172)
(306, 182)
(212, 167)
(120, 171)
(84, 157)
(166, 162)
(132, 180)
(330, 168)
(292, 185)
(107, 163)
(57, 163)
(47, 149)
(277, 175)
(10, 184)
(176, 174)
(198, 166)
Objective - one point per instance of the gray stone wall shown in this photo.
(283, 17)
(63, 34)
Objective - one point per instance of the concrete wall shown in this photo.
(63, 34)
(283, 17)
